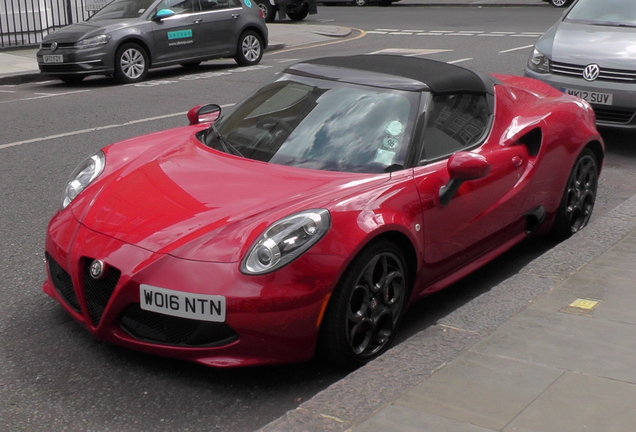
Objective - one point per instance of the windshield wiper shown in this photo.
(611, 24)
(227, 146)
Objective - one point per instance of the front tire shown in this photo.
(578, 198)
(250, 49)
(131, 64)
(366, 307)
(361, 2)
(559, 3)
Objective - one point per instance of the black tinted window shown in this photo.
(454, 122)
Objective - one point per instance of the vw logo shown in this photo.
(591, 72)
(97, 269)
(53, 46)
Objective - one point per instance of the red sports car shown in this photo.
(313, 214)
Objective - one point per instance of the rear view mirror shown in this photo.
(204, 114)
(462, 166)
(163, 14)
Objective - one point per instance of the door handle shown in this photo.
(198, 20)
(236, 15)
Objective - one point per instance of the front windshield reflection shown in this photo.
(322, 125)
(606, 12)
(122, 9)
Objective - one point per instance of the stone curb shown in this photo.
(358, 396)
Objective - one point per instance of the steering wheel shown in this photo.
(274, 121)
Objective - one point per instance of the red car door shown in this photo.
(484, 212)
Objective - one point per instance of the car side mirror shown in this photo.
(163, 14)
(204, 114)
(462, 166)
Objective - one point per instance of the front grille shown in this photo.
(613, 115)
(63, 283)
(98, 291)
(606, 74)
(169, 330)
(71, 67)
(60, 45)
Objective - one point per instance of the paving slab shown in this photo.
(482, 390)
(396, 418)
(567, 341)
(577, 403)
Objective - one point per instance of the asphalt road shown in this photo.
(54, 376)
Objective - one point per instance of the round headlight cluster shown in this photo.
(82, 176)
(539, 62)
(286, 240)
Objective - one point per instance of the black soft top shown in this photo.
(399, 72)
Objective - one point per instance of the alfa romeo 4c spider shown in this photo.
(307, 218)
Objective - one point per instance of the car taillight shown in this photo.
(260, 12)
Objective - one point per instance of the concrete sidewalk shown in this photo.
(559, 356)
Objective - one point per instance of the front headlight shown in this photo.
(539, 62)
(286, 240)
(92, 42)
(82, 176)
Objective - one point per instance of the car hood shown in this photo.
(179, 195)
(582, 44)
(75, 32)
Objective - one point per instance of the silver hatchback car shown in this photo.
(591, 53)
(128, 37)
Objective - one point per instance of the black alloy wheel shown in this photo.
(579, 196)
(366, 307)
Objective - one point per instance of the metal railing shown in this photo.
(26, 22)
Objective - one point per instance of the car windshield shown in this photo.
(122, 9)
(606, 12)
(320, 124)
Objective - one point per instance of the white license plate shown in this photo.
(180, 304)
(592, 97)
(53, 59)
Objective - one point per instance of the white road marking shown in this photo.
(44, 96)
(459, 60)
(409, 52)
(515, 49)
(95, 129)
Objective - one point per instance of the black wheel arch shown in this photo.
(141, 43)
(402, 241)
(258, 31)
(598, 151)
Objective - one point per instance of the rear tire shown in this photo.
(366, 307)
(268, 10)
(560, 3)
(301, 13)
(361, 3)
(250, 49)
(131, 64)
(578, 198)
